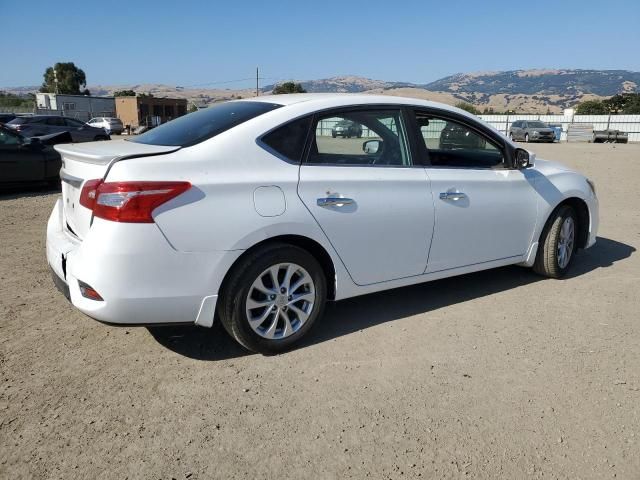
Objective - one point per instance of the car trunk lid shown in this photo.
(89, 161)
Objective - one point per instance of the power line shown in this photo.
(224, 82)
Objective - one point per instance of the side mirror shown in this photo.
(30, 142)
(371, 147)
(524, 158)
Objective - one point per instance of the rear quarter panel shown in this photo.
(218, 212)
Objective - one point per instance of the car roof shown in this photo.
(318, 101)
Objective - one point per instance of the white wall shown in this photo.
(624, 123)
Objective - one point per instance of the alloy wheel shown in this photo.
(280, 301)
(566, 242)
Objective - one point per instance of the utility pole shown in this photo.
(257, 86)
(55, 78)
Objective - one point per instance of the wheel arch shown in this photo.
(306, 243)
(582, 211)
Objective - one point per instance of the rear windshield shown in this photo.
(198, 126)
(22, 120)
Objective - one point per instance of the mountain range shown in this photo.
(530, 91)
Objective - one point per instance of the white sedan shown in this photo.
(252, 213)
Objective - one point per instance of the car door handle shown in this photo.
(452, 196)
(334, 202)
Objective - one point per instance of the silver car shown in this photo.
(531, 131)
(111, 125)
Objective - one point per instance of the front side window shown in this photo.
(204, 124)
(453, 144)
(289, 140)
(360, 138)
(72, 122)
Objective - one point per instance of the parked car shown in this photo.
(455, 136)
(346, 129)
(29, 160)
(531, 131)
(109, 124)
(37, 125)
(6, 117)
(244, 212)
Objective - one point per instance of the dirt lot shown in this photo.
(498, 374)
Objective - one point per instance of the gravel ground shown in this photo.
(498, 374)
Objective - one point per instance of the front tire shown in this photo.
(526, 138)
(557, 244)
(272, 298)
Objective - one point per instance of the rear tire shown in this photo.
(557, 246)
(264, 315)
(526, 138)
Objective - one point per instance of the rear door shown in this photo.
(372, 203)
(484, 210)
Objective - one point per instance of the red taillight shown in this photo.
(131, 202)
(89, 192)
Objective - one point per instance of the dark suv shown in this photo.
(531, 131)
(346, 129)
(38, 125)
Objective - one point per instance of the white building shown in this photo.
(82, 107)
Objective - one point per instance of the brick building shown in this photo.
(149, 111)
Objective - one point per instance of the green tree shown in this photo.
(626, 103)
(124, 93)
(632, 106)
(468, 107)
(288, 87)
(26, 102)
(71, 79)
(591, 107)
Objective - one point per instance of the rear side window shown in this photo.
(56, 121)
(199, 126)
(289, 139)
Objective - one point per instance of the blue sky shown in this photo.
(210, 42)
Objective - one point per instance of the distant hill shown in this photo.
(345, 84)
(524, 91)
(545, 82)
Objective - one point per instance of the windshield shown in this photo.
(198, 126)
(536, 125)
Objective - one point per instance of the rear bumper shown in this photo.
(142, 279)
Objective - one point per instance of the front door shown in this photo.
(373, 204)
(484, 210)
